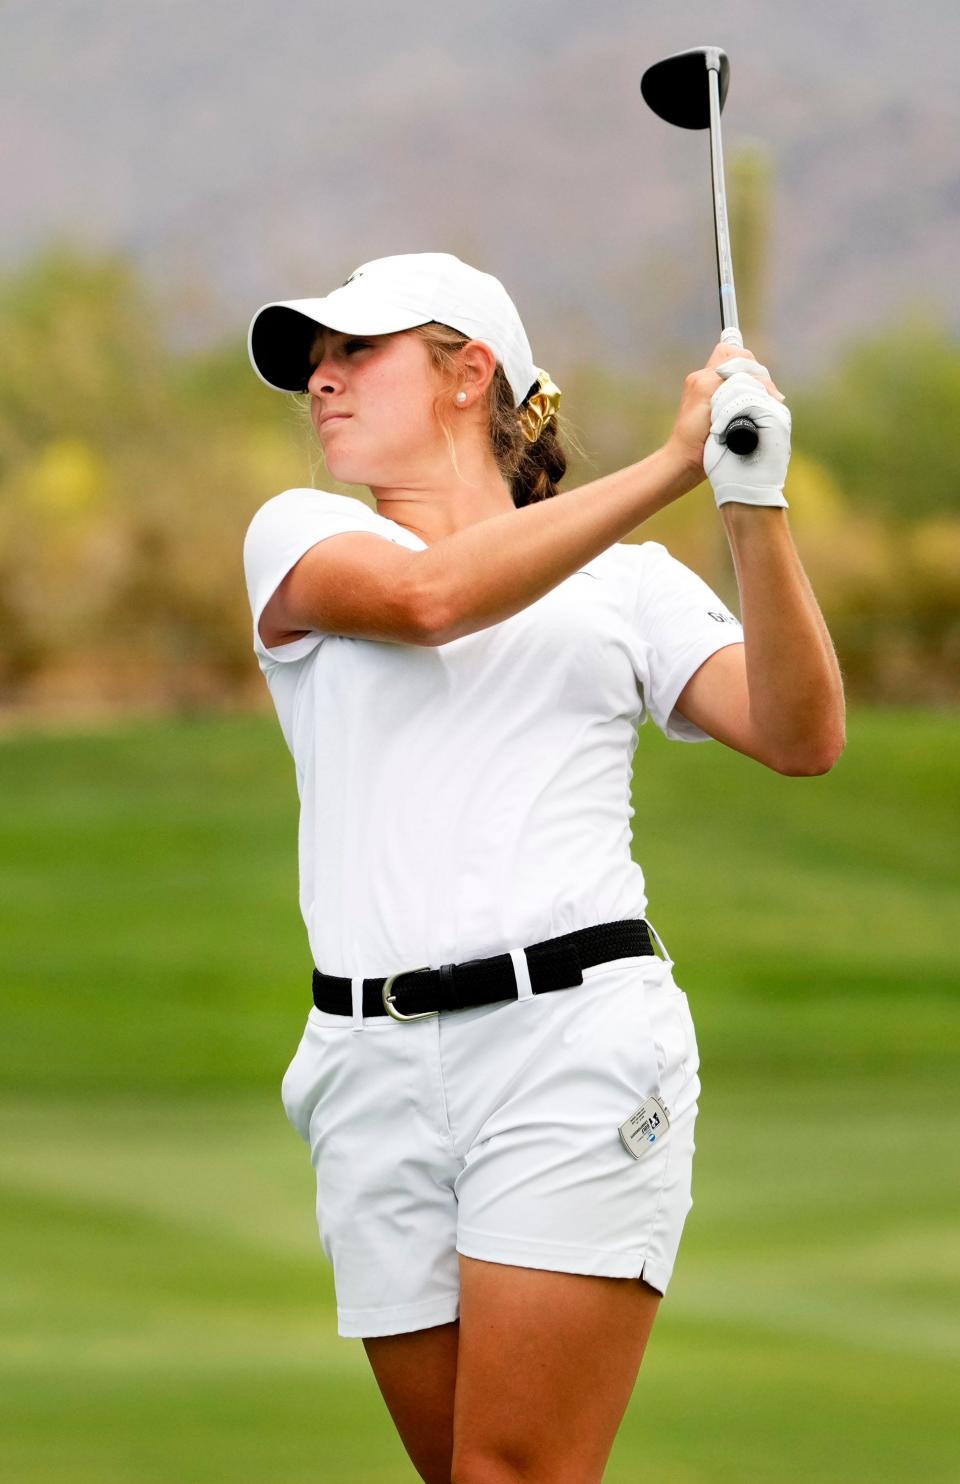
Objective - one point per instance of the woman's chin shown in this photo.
(345, 469)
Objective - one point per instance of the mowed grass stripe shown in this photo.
(870, 1222)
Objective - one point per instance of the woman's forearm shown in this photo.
(793, 678)
(492, 569)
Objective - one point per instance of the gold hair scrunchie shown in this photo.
(538, 410)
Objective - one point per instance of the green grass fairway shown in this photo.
(166, 1314)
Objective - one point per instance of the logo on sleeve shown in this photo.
(722, 617)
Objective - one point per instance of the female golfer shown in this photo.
(497, 1080)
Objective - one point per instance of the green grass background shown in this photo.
(166, 1313)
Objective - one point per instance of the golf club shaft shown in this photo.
(745, 435)
(728, 293)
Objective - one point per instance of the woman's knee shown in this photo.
(507, 1468)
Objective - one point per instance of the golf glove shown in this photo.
(755, 478)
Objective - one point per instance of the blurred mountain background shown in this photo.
(269, 148)
(168, 167)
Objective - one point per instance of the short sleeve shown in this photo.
(277, 537)
(677, 622)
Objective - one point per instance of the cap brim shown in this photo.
(281, 335)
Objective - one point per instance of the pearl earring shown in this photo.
(461, 396)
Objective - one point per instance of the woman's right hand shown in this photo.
(692, 424)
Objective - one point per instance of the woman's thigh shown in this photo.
(417, 1375)
(533, 1379)
(546, 1365)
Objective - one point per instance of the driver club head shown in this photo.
(677, 88)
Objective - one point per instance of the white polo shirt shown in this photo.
(460, 800)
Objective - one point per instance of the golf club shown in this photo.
(689, 89)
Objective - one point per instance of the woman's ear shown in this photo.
(478, 364)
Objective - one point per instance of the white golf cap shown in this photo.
(390, 294)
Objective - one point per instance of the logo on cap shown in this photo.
(357, 273)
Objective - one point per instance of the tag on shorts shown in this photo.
(646, 1128)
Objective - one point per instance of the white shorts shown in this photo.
(494, 1132)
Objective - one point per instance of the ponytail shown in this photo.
(533, 469)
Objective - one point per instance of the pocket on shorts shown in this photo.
(670, 1026)
(300, 1086)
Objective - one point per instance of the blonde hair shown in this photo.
(533, 470)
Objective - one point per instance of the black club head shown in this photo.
(677, 89)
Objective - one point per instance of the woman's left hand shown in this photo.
(746, 390)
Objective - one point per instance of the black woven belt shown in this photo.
(553, 964)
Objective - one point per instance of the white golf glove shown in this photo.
(755, 478)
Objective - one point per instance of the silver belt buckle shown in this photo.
(388, 997)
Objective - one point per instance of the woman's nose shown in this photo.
(324, 378)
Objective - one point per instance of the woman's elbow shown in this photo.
(817, 756)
